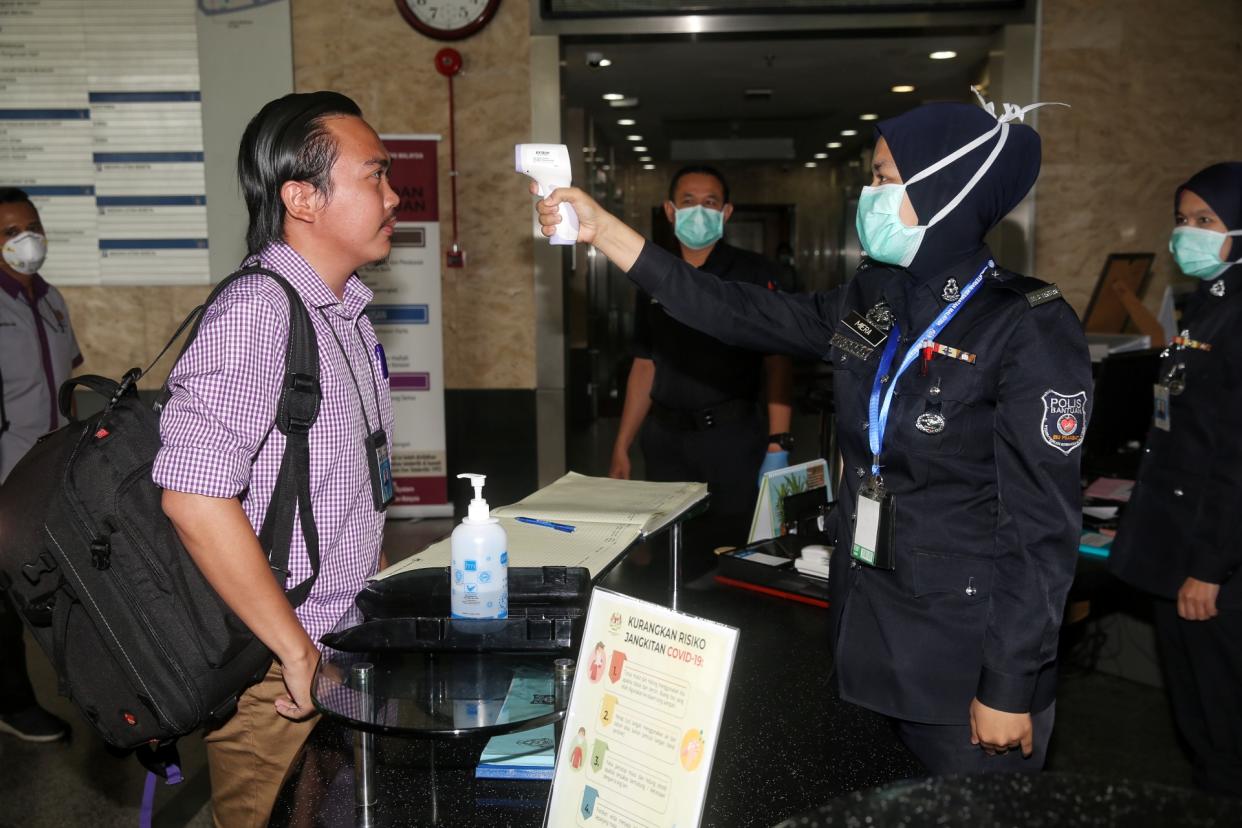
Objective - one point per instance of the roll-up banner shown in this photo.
(407, 314)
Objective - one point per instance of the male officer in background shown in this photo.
(37, 353)
(696, 399)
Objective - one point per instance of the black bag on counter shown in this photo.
(410, 612)
(140, 641)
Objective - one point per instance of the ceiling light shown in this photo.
(810, 165)
(903, 87)
(626, 122)
(821, 155)
(644, 158)
(947, 54)
(848, 133)
(613, 96)
(834, 145)
(868, 116)
(640, 149)
(604, 62)
(648, 166)
(633, 137)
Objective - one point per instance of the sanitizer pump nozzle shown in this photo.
(548, 166)
(479, 511)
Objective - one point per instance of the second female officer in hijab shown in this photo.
(1178, 539)
(962, 399)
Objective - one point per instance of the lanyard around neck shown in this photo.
(881, 397)
(353, 378)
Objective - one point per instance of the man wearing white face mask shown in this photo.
(694, 402)
(37, 353)
(961, 394)
(1178, 539)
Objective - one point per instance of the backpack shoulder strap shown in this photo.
(296, 411)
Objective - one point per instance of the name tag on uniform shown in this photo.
(851, 346)
(873, 529)
(1160, 414)
(871, 334)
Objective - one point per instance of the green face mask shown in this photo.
(1197, 251)
(698, 227)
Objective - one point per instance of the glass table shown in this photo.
(432, 695)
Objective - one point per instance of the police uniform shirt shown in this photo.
(695, 370)
(37, 353)
(1182, 517)
(987, 506)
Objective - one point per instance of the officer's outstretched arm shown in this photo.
(740, 314)
(1041, 418)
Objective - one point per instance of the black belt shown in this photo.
(701, 419)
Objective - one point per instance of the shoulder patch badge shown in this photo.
(1065, 420)
(1042, 295)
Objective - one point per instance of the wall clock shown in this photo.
(448, 19)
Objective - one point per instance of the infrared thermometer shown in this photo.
(548, 166)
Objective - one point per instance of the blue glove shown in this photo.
(773, 460)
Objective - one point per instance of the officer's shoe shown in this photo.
(33, 724)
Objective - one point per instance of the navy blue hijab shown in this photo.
(1220, 185)
(923, 136)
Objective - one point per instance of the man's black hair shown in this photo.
(287, 141)
(701, 169)
(13, 195)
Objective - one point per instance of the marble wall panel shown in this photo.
(1152, 85)
(370, 54)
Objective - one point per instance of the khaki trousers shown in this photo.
(250, 755)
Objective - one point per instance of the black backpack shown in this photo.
(140, 641)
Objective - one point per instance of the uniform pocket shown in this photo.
(932, 413)
(968, 578)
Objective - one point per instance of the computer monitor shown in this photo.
(1121, 414)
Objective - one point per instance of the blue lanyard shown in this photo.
(881, 399)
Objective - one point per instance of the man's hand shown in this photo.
(1196, 600)
(298, 672)
(998, 732)
(620, 468)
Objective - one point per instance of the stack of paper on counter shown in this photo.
(607, 515)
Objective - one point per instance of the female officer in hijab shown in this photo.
(1178, 539)
(961, 398)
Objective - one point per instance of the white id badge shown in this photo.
(866, 529)
(1160, 415)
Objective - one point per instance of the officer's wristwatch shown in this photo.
(784, 439)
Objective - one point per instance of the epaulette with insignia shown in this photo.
(1035, 291)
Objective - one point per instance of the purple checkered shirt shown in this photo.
(218, 435)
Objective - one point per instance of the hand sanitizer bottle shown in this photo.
(480, 573)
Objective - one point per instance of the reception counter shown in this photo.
(787, 744)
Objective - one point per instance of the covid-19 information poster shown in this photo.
(644, 717)
(407, 314)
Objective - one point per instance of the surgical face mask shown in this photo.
(882, 234)
(1197, 251)
(25, 252)
(698, 226)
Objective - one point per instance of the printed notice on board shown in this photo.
(644, 718)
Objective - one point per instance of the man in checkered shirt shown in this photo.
(315, 179)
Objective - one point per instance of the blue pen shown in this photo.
(560, 527)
